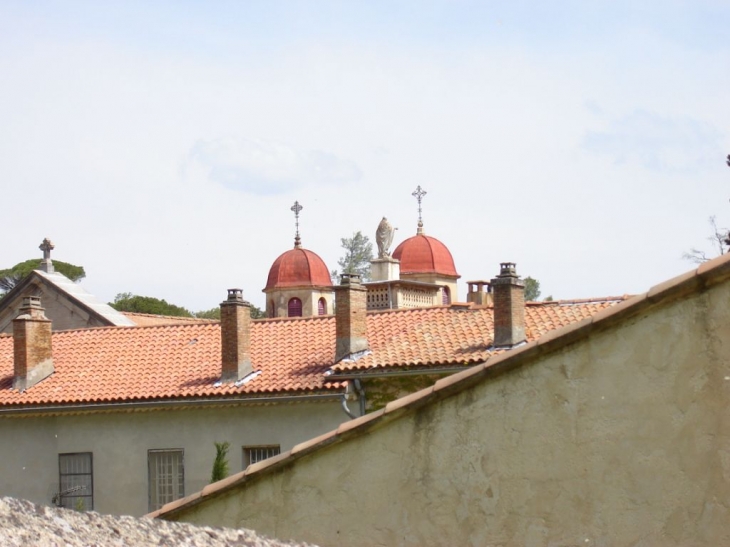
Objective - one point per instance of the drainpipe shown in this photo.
(360, 395)
(360, 398)
(345, 408)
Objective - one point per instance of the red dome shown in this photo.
(424, 254)
(298, 268)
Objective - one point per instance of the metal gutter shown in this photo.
(141, 405)
(334, 377)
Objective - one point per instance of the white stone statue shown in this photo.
(384, 237)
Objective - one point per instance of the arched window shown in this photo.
(295, 307)
(272, 309)
(445, 296)
(322, 307)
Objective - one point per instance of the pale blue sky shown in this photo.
(161, 144)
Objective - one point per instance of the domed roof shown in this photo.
(298, 268)
(424, 254)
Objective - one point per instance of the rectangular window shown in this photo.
(253, 454)
(76, 481)
(166, 477)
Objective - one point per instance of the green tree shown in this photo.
(357, 257)
(215, 313)
(532, 289)
(126, 301)
(12, 276)
(220, 464)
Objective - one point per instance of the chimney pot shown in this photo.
(235, 295)
(508, 292)
(350, 279)
(235, 337)
(32, 351)
(507, 269)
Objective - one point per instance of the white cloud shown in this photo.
(676, 144)
(267, 167)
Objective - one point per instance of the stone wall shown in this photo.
(24, 523)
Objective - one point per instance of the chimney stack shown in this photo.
(235, 337)
(350, 316)
(480, 292)
(32, 353)
(508, 291)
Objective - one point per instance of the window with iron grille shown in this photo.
(253, 454)
(76, 481)
(166, 477)
(295, 307)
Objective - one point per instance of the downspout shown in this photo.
(360, 398)
(360, 395)
(344, 407)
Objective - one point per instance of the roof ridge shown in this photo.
(138, 327)
(579, 300)
(179, 317)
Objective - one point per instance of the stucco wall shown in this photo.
(29, 447)
(309, 297)
(619, 439)
(60, 310)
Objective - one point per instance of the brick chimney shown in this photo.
(33, 357)
(508, 291)
(235, 337)
(350, 316)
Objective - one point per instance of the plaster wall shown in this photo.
(60, 310)
(119, 443)
(309, 297)
(622, 438)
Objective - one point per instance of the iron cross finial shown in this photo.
(297, 209)
(418, 194)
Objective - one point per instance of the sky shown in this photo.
(161, 144)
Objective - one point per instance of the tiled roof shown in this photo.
(457, 335)
(148, 319)
(424, 254)
(77, 292)
(298, 268)
(111, 364)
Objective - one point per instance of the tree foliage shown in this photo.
(532, 289)
(12, 276)
(212, 313)
(220, 464)
(215, 313)
(146, 304)
(357, 257)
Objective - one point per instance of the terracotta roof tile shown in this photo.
(109, 364)
(170, 362)
(454, 335)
